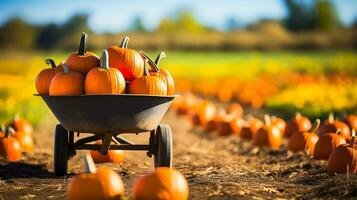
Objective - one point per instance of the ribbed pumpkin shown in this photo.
(115, 156)
(128, 61)
(25, 140)
(104, 80)
(331, 125)
(268, 136)
(298, 123)
(326, 144)
(10, 148)
(44, 78)
(102, 183)
(82, 61)
(161, 73)
(304, 141)
(147, 84)
(20, 124)
(343, 158)
(279, 122)
(351, 120)
(250, 128)
(163, 183)
(67, 83)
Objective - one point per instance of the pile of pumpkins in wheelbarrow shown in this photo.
(120, 70)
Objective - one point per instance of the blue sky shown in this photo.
(116, 15)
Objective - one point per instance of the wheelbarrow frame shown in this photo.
(146, 118)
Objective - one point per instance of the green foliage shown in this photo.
(183, 22)
(326, 16)
(137, 25)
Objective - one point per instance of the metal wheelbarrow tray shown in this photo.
(107, 116)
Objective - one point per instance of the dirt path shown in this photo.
(215, 167)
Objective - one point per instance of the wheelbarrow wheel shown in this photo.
(61, 151)
(163, 153)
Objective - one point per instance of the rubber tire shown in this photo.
(61, 151)
(163, 140)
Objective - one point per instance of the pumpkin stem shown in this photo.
(338, 131)
(124, 42)
(146, 70)
(9, 131)
(267, 120)
(50, 62)
(104, 62)
(89, 164)
(65, 68)
(83, 44)
(297, 115)
(150, 61)
(353, 136)
(159, 57)
(331, 118)
(318, 122)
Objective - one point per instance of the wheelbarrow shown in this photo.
(106, 117)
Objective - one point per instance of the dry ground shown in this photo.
(215, 168)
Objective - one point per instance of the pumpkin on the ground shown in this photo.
(25, 140)
(102, 183)
(20, 124)
(104, 79)
(343, 158)
(10, 148)
(67, 83)
(128, 61)
(332, 125)
(298, 123)
(204, 112)
(268, 136)
(163, 183)
(44, 78)
(304, 141)
(115, 156)
(250, 128)
(326, 144)
(83, 61)
(351, 120)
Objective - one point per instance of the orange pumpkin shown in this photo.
(187, 104)
(268, 135)
(163, 183)
(161, 73)
(224, 126)
(43, 79)
(128, 61)
(213, 123)
(204, 112)
(298, 123)
(20, 124)
(104, 80)
(147, 84)
(236, 125)
(351, 120)
(343, 158)
(250, 128)
(326, 144)
(235, 109)
(304, 141)
(67, 83)
(25, 140)
(332, 125)
(82, 61)
(279, 122)
(10, 148)
(115, 156)
(102, 183)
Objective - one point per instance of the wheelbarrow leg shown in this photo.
(61, 148)
(106, 143)
(163, 146)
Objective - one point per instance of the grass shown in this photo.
(18, 72)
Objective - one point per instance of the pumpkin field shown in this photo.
(223, 96)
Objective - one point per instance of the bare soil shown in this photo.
(215, 168)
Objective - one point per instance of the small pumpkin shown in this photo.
(43, 79)
(20, 124)
(224, 126)
(279, 122)
(326, 144)
(147, 84)
(102, 183)
(128, 61)
(331, 125)
(82, 61)
(235, 109)
(213, 123)
(104, 80)
(115, 156)
(205, 111)
(163, 183)
(304, 141)
(351, 120)
(250, 128)
(10, 148)
(67, 83)
(343, 158)
(25, 140)
(298, 123)
(161, 73)
(268, 136)
(187, 104)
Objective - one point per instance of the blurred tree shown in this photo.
(187, 23)
(16, 33)
(300, 15)
(48, 36)
(76, 25)
(166, 25)
(326, 16)
(137, 25)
